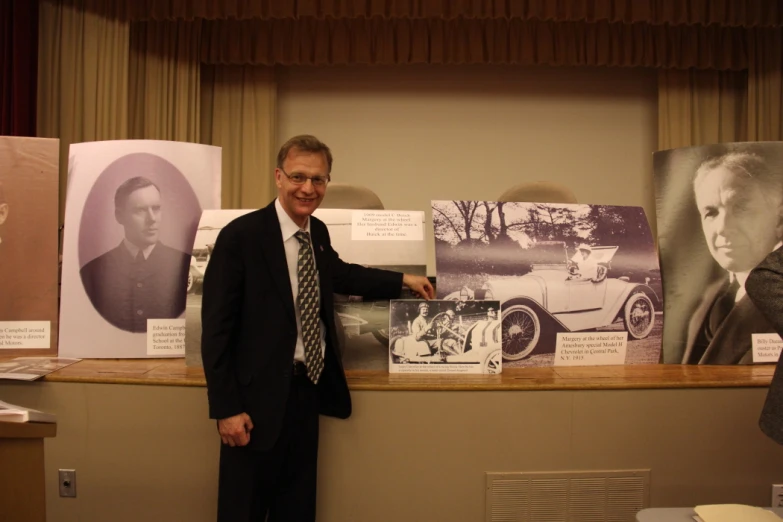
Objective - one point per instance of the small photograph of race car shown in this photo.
(562, 293)
(444, 337)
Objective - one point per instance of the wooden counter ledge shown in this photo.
(174, 372)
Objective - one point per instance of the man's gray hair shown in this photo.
(747, 165)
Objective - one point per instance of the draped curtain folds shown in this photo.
(747, 13)
(239, 115)
(203, 70)
(18, 71)
(165, 88)
(701, 107)
(765, 88)
(310, 41)
(82, 79)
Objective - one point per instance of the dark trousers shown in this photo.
(280, 482)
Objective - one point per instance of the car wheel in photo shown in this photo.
(382, 336)
(639, 315)
(521, 330)
(493, 362)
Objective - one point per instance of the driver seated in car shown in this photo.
(446, 340)
(583, 266)
(420, 326)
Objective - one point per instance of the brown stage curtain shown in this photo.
(82, 79)
(18, 66)
(165, 89)
(462, 41)
(239, 114)
(765, 88)
(701, 107)
(745, 13)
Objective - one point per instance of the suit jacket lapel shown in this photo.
(734, 338)
(274, 251)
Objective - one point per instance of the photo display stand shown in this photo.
(577, 284)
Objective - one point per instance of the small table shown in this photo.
(677, 514)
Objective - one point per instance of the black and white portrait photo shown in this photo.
(720, 213)
(445, 337)
(142, 277)
(554, 269)
(131, 217)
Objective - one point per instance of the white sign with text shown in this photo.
(25, 334)
(766, 347)
(165, 336)
(591, 348)
(387, 225)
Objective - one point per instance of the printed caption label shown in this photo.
(25, 334)
(165, 336)
(381, 225)
(590, 349)
(766, 347)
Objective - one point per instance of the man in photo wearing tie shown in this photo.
(269, 344)
(740, 201)
(141, 278)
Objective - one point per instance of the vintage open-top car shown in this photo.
(449, 342)
(554, 296)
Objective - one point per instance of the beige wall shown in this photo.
(149, 453)
(413, 134)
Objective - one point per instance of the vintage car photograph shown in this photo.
(444, 337)
(552, 272)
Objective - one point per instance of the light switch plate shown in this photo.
(67, 479)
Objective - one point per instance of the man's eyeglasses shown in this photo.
(301, 179)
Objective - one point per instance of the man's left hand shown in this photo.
(419, 285)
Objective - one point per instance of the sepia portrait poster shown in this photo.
(387, 239)
(578, 285)
(29, 192)
(132, 210)
(719, 215)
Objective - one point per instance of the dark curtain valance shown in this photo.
(471, 41)
(734, 13)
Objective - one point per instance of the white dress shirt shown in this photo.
(291, 244)
(134, 250)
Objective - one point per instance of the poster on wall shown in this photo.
(445, 336)
(387, 239)
(718, 213)
(132, 210)
(578, 285)
(29, 195)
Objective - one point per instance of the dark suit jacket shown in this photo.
(249, 325)
(126, 295)
(765, 288)
(732, 343)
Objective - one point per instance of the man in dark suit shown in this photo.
(740, 200)
(141, 278)
(269, 344)
(765, 288)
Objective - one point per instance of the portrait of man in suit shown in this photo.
(269, 340)
(739, 196)
(141, 278)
